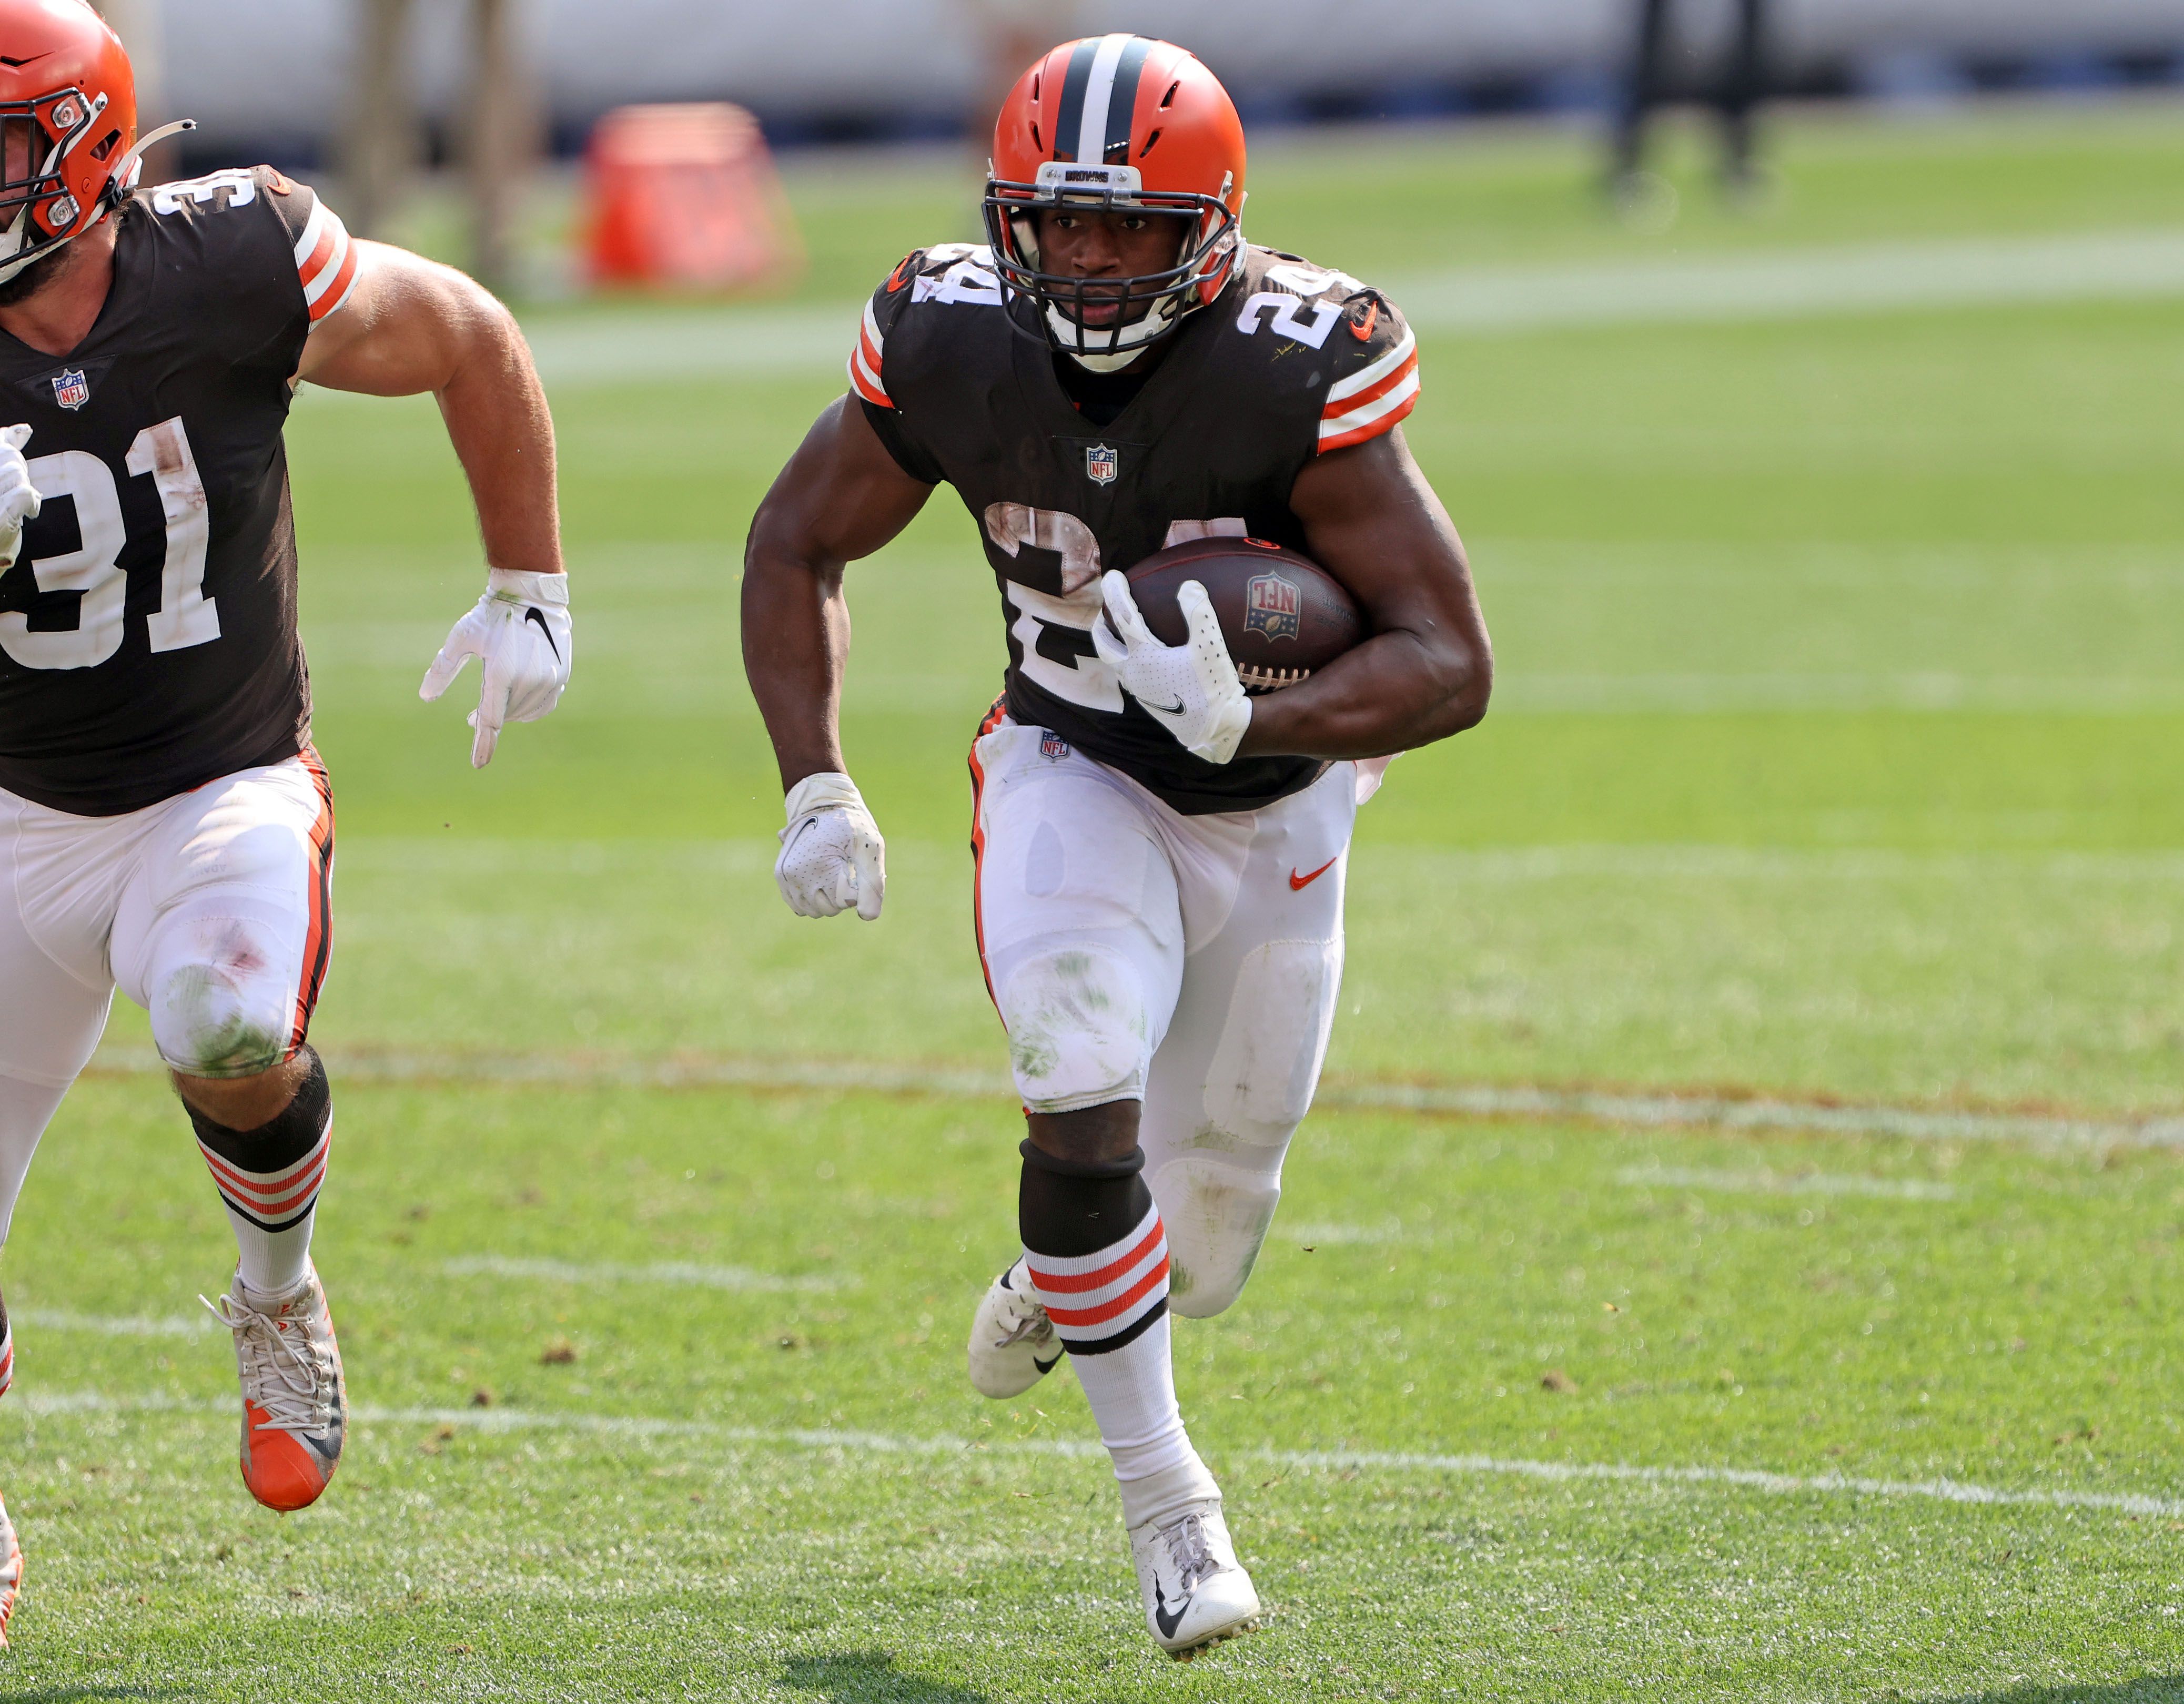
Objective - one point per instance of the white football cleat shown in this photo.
(1197, 1593)
(1013, 1344)
(295, 1401)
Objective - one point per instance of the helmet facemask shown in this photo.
(1053, 307)
(37, 213)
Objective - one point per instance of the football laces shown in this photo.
(1259, 680)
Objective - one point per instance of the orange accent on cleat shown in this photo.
(295, 1401)
(282, 1471)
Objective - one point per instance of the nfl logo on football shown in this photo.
(71, 390)
(1270, 606)
(1101, 464)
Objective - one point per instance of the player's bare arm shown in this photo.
(840, 498)
(412, 326)
(1375, 524)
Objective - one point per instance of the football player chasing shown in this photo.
(164, 823)
(1160, 857)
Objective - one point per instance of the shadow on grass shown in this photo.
(870, 1677)
(2151, 1688)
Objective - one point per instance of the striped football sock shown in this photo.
(1098, 1258)
(269, 1178)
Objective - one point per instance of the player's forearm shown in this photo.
(1395, 693)
(503, 434)
(796, 643)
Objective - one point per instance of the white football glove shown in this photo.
(832, 855)
(520, 633)
(1190, 689)
(18, 499)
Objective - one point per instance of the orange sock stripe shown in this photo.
(1077, 1283)
(1114, 1310)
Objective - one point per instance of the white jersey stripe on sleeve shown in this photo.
(1372, 419)
(326, 262)
(865, 362)
(314, 227)
(1365, 378)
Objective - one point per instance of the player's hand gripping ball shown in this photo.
(832, 855)
(18, 499)
(520, 633)
(1191, 689)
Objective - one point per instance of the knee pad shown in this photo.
(1078, 1033)
(219, 1006)
(1216, 1217)
(1273, 1041)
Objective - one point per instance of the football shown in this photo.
(1283, 616)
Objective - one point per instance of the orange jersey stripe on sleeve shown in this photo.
(326, 262)
(865, 362)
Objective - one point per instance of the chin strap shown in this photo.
(132, 163)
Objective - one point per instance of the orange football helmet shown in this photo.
(1115, 124)
(68, 126)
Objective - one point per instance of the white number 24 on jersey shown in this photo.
(185, 617)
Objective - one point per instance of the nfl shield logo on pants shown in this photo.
(1101, 464)
(1052, 745)
(71, 388)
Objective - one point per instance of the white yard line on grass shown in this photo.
(679, 1272)
(821, 1440)
(115, 1325)
(1662, 1110)
(1786, 1183)
(1811, 282)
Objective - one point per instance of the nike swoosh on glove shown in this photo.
(18, 499)
(520, 633)
(1190, 689)
(832, 855)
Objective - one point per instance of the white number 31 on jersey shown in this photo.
(185, 617)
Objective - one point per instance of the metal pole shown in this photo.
(380, 150)
(497, 130)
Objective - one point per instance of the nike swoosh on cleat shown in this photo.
(1299, 884)
(1168, 1623)
(1046, 1367)
(530, 613)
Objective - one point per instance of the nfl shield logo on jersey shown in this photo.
(1270, 606)
(71, 390)
(1101, 464)
(1052, 746)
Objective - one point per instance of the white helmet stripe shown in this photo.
(1099, 92)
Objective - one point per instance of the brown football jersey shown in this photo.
(147, 629)
(1290, 361)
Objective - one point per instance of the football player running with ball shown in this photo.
(164, 823)
(1159, 856)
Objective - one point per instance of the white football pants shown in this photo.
(1192, 962)
(210, 910)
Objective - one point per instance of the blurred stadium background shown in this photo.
(1735, 1256)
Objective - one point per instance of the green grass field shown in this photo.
(1837, 762)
